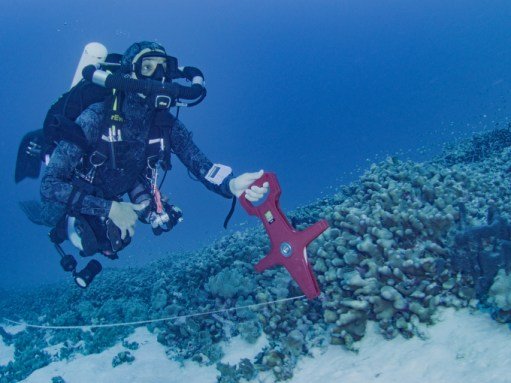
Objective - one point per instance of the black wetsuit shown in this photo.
(58, 197)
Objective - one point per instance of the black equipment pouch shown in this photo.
(60, 128)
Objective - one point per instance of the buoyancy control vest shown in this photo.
(112, 163)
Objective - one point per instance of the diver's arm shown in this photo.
(57, 182)
(57, 185)
(196, 161)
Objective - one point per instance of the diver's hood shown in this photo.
(138, 50)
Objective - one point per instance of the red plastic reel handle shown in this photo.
(272, 198)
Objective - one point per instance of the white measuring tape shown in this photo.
(136, 323)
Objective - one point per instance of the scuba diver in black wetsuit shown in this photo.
(123, 141)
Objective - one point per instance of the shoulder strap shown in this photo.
(111, 131)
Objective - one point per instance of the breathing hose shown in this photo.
(196, 91)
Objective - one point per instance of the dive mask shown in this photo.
(152, 67)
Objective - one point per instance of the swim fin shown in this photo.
(32, 210)
(28, 161)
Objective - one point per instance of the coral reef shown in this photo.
(479, 147)
(233, 374)
(483, 250)
(230, 283)
(123, 357)
(499, 297)
(404, 240)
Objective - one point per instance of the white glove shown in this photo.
(124, 216)
(241, 183)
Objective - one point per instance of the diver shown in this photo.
(128, 137)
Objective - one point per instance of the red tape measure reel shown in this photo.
(288, 246)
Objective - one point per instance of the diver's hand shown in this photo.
(124, 216)
(241, 183)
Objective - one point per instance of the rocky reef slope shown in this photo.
(404, 240)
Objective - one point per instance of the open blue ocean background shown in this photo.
(313, 90)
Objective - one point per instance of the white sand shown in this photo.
(6, 353)
(462, 347)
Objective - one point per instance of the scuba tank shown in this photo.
(93, 54)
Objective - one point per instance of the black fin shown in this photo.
(32, 210)
(29, 164)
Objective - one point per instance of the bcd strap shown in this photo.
(166, 163)
(159, 138)
(113, 130)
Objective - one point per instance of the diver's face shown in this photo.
(149, 65)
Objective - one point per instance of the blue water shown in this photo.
(314, 91)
